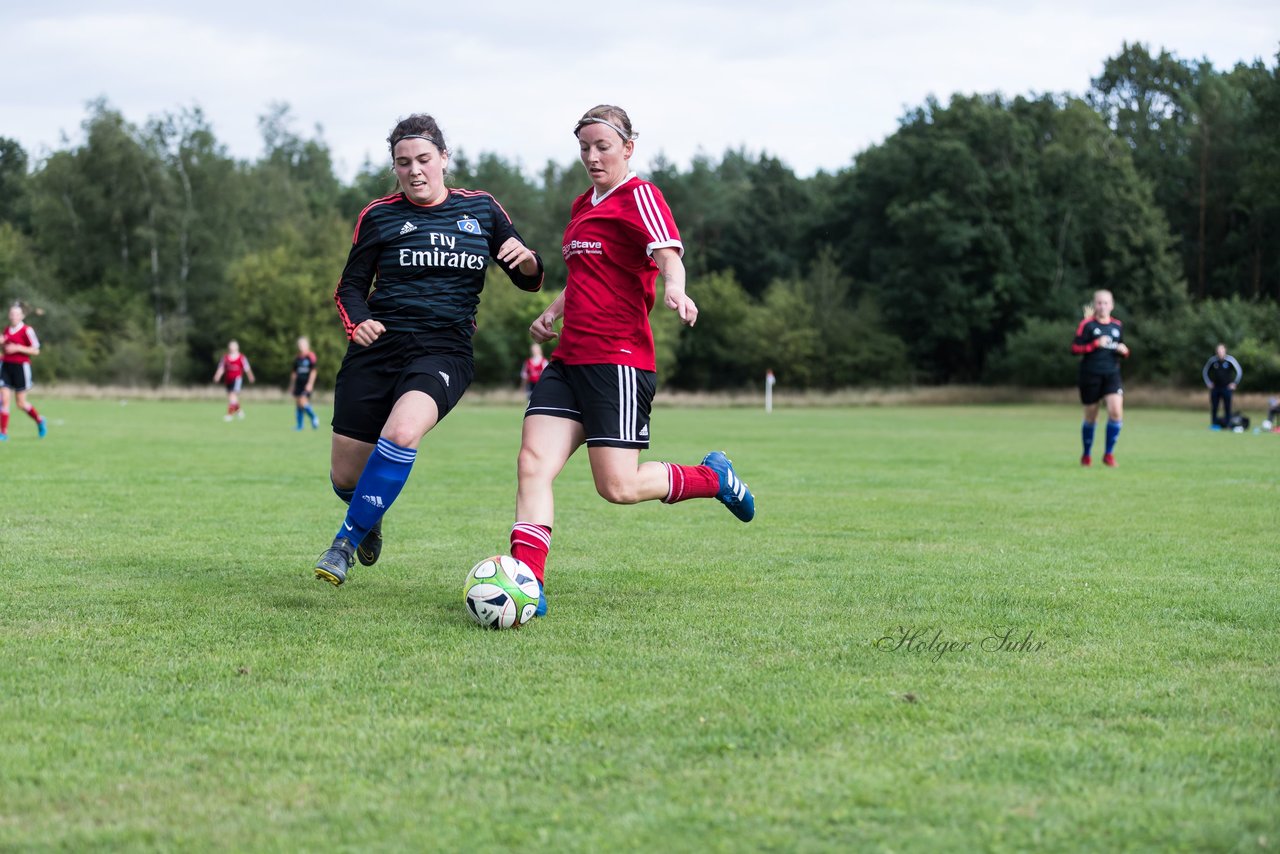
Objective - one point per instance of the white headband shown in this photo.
(606, 123)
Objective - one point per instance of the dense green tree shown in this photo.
(14, 182)
(976, 216)
(1201, 137)
(1252, 244)
(749, 216)
(960, 248)
(281, 293)
(714, 353)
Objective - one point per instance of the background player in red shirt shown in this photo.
(20, 344)
(599, 386)
(302, 379)
(531, 369)
(232, 370)
(1098, 342)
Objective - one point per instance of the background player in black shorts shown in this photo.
(20, 345)
(410, 357)
(302, 382)
(1099, 341)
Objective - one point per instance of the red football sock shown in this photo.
(4, 421)
(34, 415)
(530, 544)
(685, 482)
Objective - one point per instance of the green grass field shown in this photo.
(172, 677)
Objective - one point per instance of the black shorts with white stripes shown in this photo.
(611, 401)
(16, 376)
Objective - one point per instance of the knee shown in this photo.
(617, 491)
(402, 436)
(531, 465)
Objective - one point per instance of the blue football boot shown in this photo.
(542, 603)
(733, 493)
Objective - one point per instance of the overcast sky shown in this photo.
(811, 83)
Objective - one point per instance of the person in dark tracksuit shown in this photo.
(1222, 374)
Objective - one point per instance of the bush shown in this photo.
(1037, 355)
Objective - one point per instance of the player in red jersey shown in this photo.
(233, 369)
(1098, 342)
(20, 344)
(599, 386)
(531, 369)
(302, 380)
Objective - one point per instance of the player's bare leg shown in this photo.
(546, 443)
(621, 478)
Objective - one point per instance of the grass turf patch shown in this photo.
(939, 632)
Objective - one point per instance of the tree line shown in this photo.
(960, 249)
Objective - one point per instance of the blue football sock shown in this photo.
(298, 413)
(1113, 433)
(311, 413)
(383, 477)
(1086, 435)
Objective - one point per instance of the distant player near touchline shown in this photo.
(233, 369)
(20, 344)
(302, 379)
(531, 368)
(599, 386)
(411, 357)
(1098, 342)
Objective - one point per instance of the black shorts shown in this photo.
(373, 378)
(235, 384)
(611, 401)
(300, 387)
(16, 375)
(1094, 387)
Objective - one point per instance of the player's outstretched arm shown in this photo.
(672, 270)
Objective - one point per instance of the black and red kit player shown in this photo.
(1099, 341)
(407, 299)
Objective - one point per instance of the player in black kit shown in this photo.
(410, 357)
(1099, 340)
(302, 380)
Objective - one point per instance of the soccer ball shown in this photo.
(501, 593)
(1266, 425)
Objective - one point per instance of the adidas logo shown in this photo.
(444, 377)
(737, 487)
(644, 431)
(408, 227)
(375, 500)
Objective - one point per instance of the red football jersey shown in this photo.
(608, 248)
(232, 366)
(532, 369)
(21, 334)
